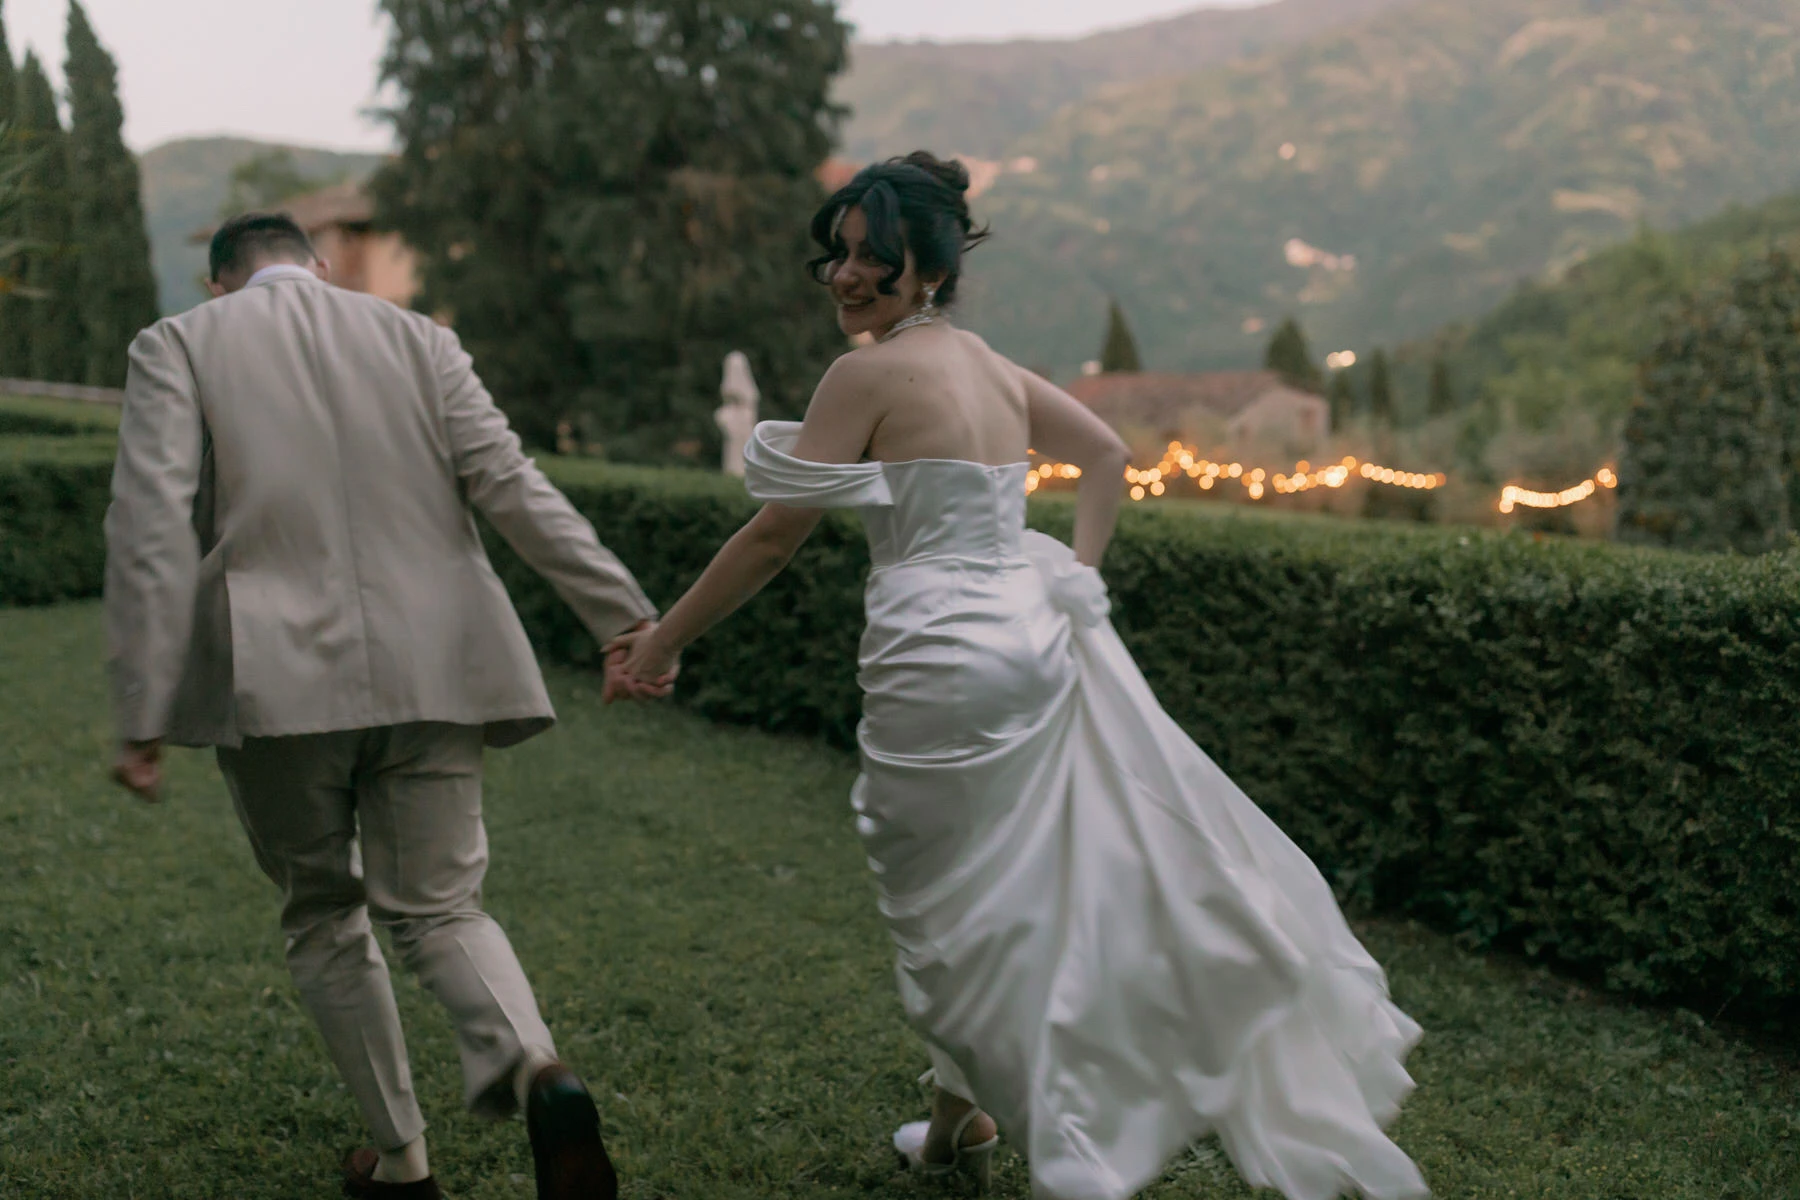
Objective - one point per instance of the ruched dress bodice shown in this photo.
(1100, 938)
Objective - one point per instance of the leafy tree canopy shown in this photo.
(609, 199)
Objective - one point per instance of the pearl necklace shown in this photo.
(924, 316)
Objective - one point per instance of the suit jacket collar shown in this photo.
(280, 272)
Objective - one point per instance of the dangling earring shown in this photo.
(926, 314)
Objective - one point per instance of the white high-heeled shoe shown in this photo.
(977, 1160)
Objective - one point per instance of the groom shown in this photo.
(294, 577)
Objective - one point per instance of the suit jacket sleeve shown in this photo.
(152, 550)
(536, 520)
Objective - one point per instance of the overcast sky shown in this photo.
(303, 70)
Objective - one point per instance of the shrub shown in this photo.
(1712, 442)
(53, 497)
(41, 416)
(1579, 751)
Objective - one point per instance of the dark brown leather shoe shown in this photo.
(360, 1182)
(564, 1125)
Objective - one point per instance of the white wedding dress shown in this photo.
(1101, 939)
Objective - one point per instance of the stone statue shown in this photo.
(736, 417)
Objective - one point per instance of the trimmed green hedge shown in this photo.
(53, 497)
(1583, 752)
(46, 417)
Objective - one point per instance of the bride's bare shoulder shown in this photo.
(883, 360)
(854, 375)
(903, 359)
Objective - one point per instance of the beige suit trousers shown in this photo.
(383, 827)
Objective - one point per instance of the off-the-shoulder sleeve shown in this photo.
(771, 473)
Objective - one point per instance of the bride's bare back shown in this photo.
(942, 393)
(936, 391)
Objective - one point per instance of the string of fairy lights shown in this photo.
(1180, 460)
(1511, 496)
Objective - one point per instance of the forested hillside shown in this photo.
(1383, 178)
(980, 98)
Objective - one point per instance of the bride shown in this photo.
(1107, 949)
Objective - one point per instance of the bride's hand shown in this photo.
(639, 667)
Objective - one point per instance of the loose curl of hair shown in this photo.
(918, 203)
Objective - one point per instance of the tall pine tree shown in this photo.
(1342, 399)
(1440, 396)
(15, 314)
(58, 346)
(612, 198)
(1381, 390)
(118, 286)
(1120, 353)
(1289, 358)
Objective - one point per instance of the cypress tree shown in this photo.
(1381, 390)
(1701, 467)
(612, 198)
(58, 350)
(1288, 356)
(1343, 400)
(12, 249)
(118, 286)
(8, 79)
(1120, 353)
(15, 316)
(1440, 397)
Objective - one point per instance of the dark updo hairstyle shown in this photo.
(916, 203)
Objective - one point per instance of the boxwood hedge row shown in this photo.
(43, 416)
(1586, 753)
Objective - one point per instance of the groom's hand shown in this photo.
(138, 769)
(620, 684)
(626, 678)
(615, 684)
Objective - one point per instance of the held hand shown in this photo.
(636, 667)
(138, 769)
(620, 686)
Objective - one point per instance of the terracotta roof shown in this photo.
(1162, 399)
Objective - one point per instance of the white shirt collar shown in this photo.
(280, 271)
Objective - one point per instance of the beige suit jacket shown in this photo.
(291, 546)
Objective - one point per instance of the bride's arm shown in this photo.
(839, 423)
(742, 567)
(1063, 429)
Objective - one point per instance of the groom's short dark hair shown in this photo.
(242, 240)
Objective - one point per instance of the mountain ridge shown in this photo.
(978, 98)
(1383, 178)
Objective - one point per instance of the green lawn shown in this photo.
(691, 904)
